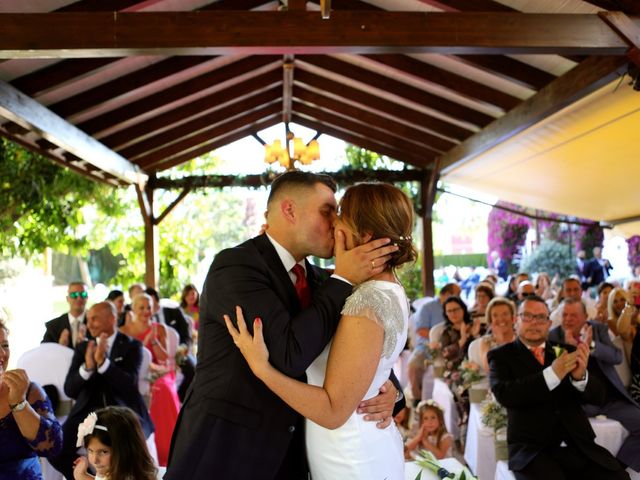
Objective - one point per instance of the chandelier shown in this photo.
(294, 150)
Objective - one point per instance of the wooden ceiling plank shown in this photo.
(400, 112)
(207, 135)
(205, 122)
(627, 6)
(379, 135)
(583, 79)
(38, 82)
(125, 84)
(396, 87)
(469, 5)
(359, 141)
(456, 83)
(627, 30)
(30, 114)
(98, 5)
(159, 123)
(91, 34)
(176, 92)
(510, 69)
(366, 117)
(164, 164)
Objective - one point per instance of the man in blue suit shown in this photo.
(604, 357)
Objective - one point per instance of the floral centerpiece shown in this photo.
(460, 380)
(428, 461)
(494, 416)
(435, 358)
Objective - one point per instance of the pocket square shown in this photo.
(117, 359)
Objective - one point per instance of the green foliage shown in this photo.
(551, 257)
(43, 204)
(410, 275)
(461, 260)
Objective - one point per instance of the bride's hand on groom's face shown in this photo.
(380, 408)
(364, 261)
(252, 348)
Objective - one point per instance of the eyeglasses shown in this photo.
(530, 317)
(453, 310)
(83, 294)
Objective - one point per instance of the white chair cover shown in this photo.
(143, 374)
(436, 332)
(623, 369)
(474, 352)
(173, 340)
(48, 364)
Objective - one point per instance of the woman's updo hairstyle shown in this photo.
(383, 211)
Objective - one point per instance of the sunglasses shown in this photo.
(75, 295)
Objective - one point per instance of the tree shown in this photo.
(43, 204)
(551, 257)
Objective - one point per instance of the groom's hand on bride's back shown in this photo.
(362, 262)
(380, 408)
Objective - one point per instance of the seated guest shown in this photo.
(525, 289)
(190, 303)
(484, 294)
(176, 320)
(28, 427)
(602, 314)
(165, 404)
(428, 316)
(501, 315)
(512, 293)
(103, 372)
(117, 298)
(628, 329)
(548, 434)
(134, 290)
(69, 329)
(544, 287)
(615, 305)
(571, 289)
(605, 356)
(459, 332)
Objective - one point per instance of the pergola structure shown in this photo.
(120, 90)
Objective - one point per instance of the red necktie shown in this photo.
(302, 287)
(538, 352)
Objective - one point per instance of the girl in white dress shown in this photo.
(432, 434)
(370, 336)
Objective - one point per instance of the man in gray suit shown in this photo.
(602, 361)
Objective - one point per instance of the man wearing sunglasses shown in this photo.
(70, 328)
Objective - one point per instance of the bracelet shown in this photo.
(17, 407)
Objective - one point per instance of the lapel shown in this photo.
(281, 280)
(117, 348)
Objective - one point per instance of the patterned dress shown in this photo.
(18, 456)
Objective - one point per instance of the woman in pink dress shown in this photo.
(165, 404)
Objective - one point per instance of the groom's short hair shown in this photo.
(295, 179)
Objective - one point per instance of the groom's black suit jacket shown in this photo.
(231, 425)
(539, 418)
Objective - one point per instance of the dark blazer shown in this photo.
(55, 327)
(232, 426)
(117, 386)
(539, 418)
(175, 318)
(605, 354)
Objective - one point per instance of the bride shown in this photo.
(371, 334)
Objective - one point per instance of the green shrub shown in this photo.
(551, 257)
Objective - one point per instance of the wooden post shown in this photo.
(427, 197)
(145, 201)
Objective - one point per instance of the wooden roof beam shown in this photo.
(578, 82)
(627, 30)
(100, 34)
(406, 132)
(381, 137)
(401, 89)
(287, 87)
(358, 140)
(30, 114)
(205, 136)
(398, 112)
(205, 122)
(174, 93)
(218, 142)
(142, 130)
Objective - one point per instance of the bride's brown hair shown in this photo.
(384, 211)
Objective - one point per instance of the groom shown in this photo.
(231, 425)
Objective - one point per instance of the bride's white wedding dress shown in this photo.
(358, 449)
